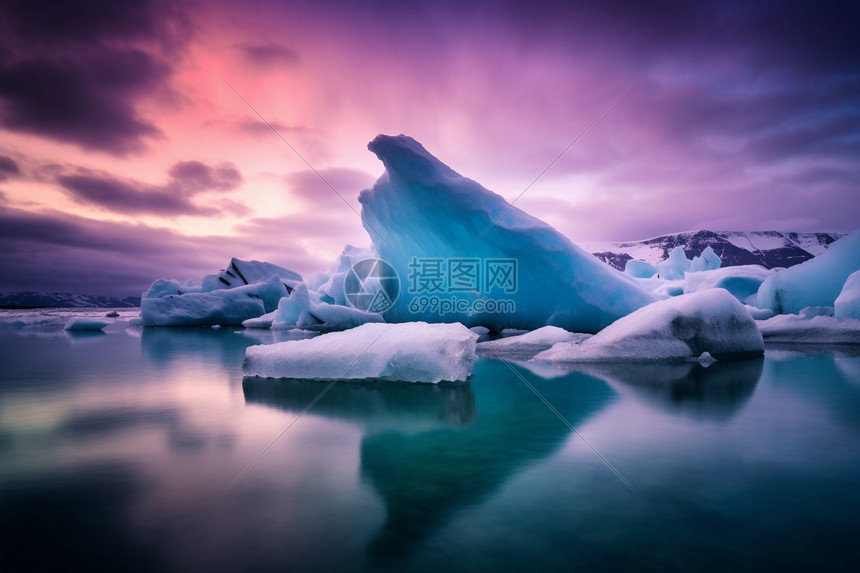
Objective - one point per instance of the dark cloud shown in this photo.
(8, 168)
(59, 252)
(76, 72)
(257, 127)
(268, 54)
(187, 179)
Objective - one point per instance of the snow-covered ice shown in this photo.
(525, 346)
(421, 209)
(677, 328)
(85, 324)
(410, 352)
(640, 269)
(707, 261)
(810, 330)
(847, 304)
(816, 282)
(240, 273)
(674, 267)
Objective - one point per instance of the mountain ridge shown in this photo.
(33, 299)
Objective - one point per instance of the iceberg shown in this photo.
(675, 265)
(639, 269)
(300, 311)
(223, 306)
(847, 304)
(525, 346)
(83, 324)
(816, 282)
(820, 329)
(408, 352)
(742, 281)
(678, 328)
(707, 261)
(240, 273)
(453, 242)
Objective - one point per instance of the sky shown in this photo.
(132, 146)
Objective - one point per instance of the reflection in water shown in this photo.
(221, 346)
(714, 392)
(425, 478)
(376, 404)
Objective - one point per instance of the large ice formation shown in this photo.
(847, 304)
(816, 282)
(421, 212)
(246, 289)
(677, 328)
(707, 261)
(410, 352)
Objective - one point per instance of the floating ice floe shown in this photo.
(678, 328)
(816, 282)
(820, 329)
(525, 346)
(410, 352)
(422, 210)
(85, 324)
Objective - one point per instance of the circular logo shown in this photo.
(371, 285)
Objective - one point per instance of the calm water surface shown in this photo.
(118, 451)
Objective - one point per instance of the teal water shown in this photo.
(126, 451)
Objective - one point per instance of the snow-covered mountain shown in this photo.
(64, 300)
(770, 249)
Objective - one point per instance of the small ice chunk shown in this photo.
(526, 345)
(640, 269)
(847, 304)
(85, 324)
(806, 330)
(264, 321)
(410, 352)
(677, 328)
(299, 311)
(743, 281)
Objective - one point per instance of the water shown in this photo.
(119, 450)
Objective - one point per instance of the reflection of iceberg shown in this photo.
(425, 478)
(716, 392)
(390, 405)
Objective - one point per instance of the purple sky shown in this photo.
(125, 156)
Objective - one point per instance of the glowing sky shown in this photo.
(125, 156)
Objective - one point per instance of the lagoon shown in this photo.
(146, 450)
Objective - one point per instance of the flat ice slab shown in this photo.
(409, 352)
(678, 328)
(795, 328)
(525, 346)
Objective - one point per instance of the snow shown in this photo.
(85, 324)
(677, 328)
(816, 282)
(410, 352)
(810, 330)
(420, 209)
(674, 267)
(300, 311)
(525, 346)
(742, 281)
(847, 304)
(264, 321)
(707, 261)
